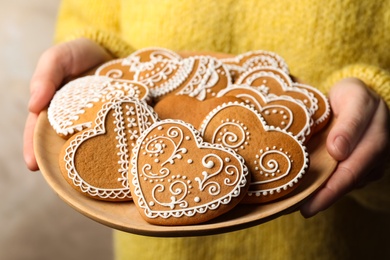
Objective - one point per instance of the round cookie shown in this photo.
(74, 106)
(95, 161)
(177, 179)
(276, 160)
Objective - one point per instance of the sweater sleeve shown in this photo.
(374, 77)
(98, 21)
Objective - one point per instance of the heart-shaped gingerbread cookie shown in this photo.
(275, 159)
(252, 59)
(177, 179)
(96, 160)
(127, 67)
(189, 109)
(196, 76)
(273, 81)
(281, 112)
(74, 107)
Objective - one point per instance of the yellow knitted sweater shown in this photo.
(322, 41)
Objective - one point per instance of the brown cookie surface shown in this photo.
(95, 161)
(74, 107)
(276, 160)
(177, 179)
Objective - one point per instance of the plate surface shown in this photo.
(124, 215)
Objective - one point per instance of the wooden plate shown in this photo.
(124, 215)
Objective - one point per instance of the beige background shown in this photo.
(34, 222)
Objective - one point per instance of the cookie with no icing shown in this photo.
(189, 109)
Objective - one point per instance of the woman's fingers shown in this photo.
(362, 164)
(28, 148)
(353, 106)
(56, 65)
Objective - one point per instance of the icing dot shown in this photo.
(151, 203)
(188, 138)
(189, 161)
(160, 128)
(156, 160)
(197, 199)
(227, 159)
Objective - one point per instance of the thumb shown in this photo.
(353, 106)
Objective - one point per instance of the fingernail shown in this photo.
(342, 147)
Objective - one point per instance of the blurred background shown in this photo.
(34, 222)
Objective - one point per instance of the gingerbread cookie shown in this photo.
(127, 67)
(95, 161)
(251, 59)
(177, 179)
(273, 81)
(74, 107)
(322, 115)
(189, 109)
(276, 160)
(117, 69)
(281, 112)
(196, 76)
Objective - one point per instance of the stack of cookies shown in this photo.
(187, 138)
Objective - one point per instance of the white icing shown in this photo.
(122, 146)
(266, 104)
(264, 165)
(284, 81)
(71, 101)
(178, 197)
(208, 74)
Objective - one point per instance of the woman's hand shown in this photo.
(359, 140)
(56, 66)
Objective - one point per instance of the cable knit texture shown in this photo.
(323, 41)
